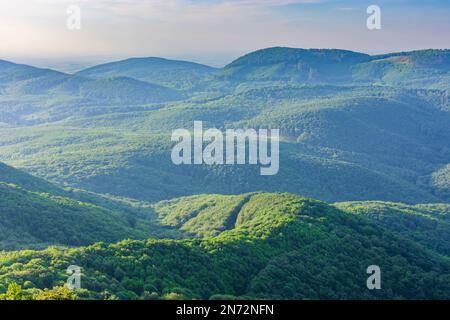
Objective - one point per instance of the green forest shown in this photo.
(86, 179)
(254, 246)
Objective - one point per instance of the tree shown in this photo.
(57, 293)
(14, 292)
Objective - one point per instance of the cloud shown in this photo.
(346, 9)
(175, 9)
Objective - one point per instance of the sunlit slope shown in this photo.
(267, 246)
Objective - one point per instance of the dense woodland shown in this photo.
(86, 179)
(259, 246)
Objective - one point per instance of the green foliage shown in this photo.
(370, 124)
(174, 74)
(297, 65)
(353, 127)
(57, 293)
(28, 218)
(201, 215)
(440, 179)
(325, 141)
(14, 292)
(426, 224)
(281, 246)
(34, 219)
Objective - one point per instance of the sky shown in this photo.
(212, 32)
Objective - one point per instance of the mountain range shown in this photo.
(93, 182)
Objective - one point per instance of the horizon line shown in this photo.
(116, 60)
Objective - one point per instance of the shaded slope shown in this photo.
(426, 224)
(31, 219)
(339, 143)
(35, 214)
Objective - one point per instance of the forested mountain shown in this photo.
(30, 95)
(368, 133)
(259, 246)
(295, 65)
(416, 69)
(182, 75)
(375, 143)
(35, 214)
(428, 224)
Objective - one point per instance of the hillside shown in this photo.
(36, 214)
(10, 175)
(375, 143)
(180, 75)
(353, 127)
(30, 95)
(277, 246)
(428, 224)
(296, 65)
(416, 69)
(11, 73)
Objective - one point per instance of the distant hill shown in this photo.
(30, 95)
(437, 59)
(440, 179)
(116, 90)
(262, 246)
(181, 75)
(347, 133)
(416, 69)
(12, 72)
(375, 143)
(297, 65)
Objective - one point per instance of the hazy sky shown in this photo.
(213, 32)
